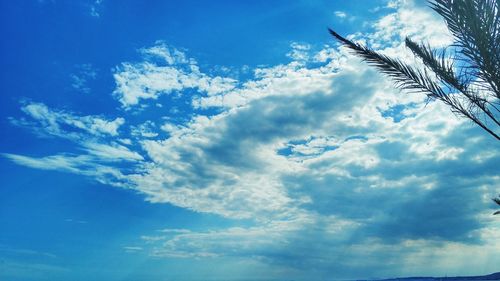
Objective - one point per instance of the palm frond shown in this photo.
(475, 24)
(497, 200)
(438, 62)
(407, 77)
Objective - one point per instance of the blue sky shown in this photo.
(231, 140)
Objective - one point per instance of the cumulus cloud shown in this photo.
(299, 52)
(321, 158)
(165, 71)
(144, 130)
(414, 21)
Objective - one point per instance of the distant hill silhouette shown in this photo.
(493, 276)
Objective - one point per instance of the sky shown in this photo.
(232, 140)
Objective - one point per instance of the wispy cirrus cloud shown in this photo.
(95, 137)
(340, 14)
(83, 75)
(95, 8)
(51, 122)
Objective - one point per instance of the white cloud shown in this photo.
(322, 245)
(232, 241)
(340, 14)
(300, 52)
(49, 163)
(111, 152)
(149, 80)
(144, 130)
(410, 20)
(95, 8)
(85, 165)
(96, 153)
(80, 79)
(311, 156)
(52, 122)
(132, 249)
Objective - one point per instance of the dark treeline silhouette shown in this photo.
(493, 276)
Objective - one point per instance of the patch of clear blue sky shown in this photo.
(83, 223)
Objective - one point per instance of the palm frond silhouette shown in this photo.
(469, 83)
(497, 200)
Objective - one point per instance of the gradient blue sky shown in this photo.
(231, 140)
